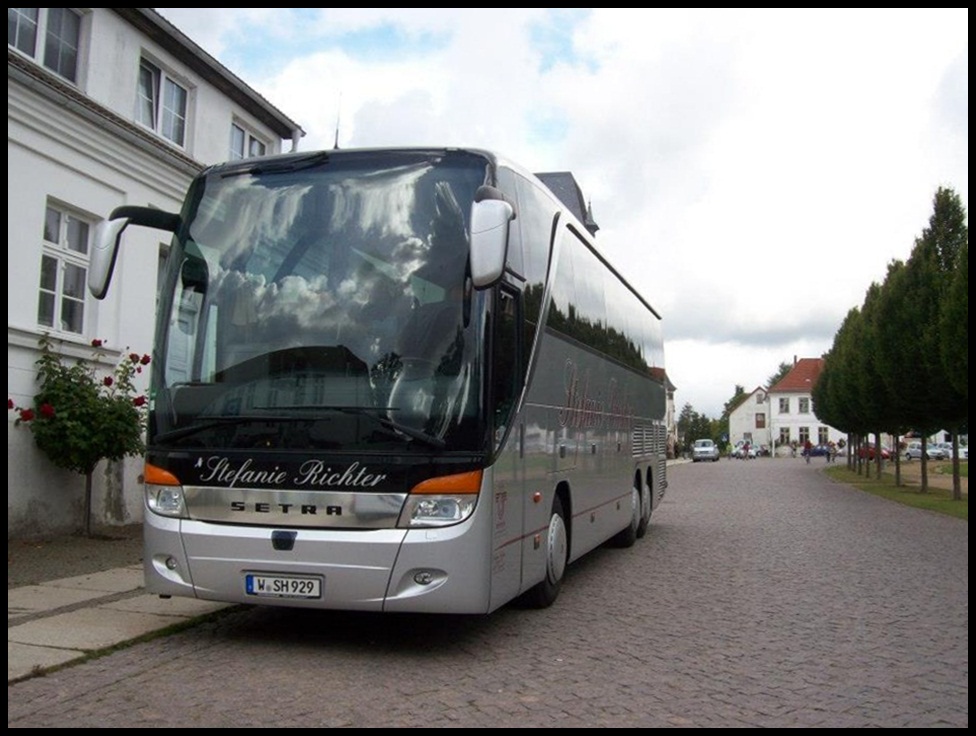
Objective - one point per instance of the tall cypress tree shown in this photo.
(955, 326)
(911, 308)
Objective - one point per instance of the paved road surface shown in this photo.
(764, 596)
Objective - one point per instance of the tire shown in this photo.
(647, 505)
(628, 536)
(544, 594)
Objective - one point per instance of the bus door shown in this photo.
(506, 368)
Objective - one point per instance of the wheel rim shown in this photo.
(556, 549)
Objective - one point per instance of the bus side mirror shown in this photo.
(489, 240)
(108, 239)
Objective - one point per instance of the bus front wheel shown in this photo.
(544, 594)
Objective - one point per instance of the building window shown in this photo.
(161, 103)
(760, 421)
(823, 435)
(760, 397)
(784, 406)
(243, 144)
(804, 406)
(47, 35)
(784, 435)
(64, 270)
(804, 435)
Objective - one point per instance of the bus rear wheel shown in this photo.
(544, 594)
(628, 536)
(645, 505)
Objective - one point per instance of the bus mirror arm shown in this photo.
(108, 239)
(489, 240)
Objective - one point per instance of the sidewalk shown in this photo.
(54, 622)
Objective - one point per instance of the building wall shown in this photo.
(742, 420)
(795, 421)
(85, 154)
(113, 76)
(50, 160)
(671, 424)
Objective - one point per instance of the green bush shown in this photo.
(83, 414)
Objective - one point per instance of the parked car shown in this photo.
(704, 450)
(946, 447)
(819, 450)
(914, 451)
(867, 452)
(743, 450)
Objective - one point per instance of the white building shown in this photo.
(749, 421)
(105, 107)
(783, 414)
(791, 414)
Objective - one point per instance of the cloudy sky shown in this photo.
(752, 171)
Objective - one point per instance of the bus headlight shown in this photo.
(166, 500)
(164, 492)
(421, 511)
(442, 500)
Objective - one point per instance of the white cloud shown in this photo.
(753, 171)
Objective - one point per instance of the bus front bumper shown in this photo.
(415, 570)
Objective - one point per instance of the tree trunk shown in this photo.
(88, 502)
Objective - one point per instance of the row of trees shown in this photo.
(900, 362)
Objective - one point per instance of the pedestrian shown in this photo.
(808, 449)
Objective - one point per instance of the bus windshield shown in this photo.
(319, 303)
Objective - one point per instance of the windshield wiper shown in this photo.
(376, 412)
(212, 422)
(435, 442)
(372, 411)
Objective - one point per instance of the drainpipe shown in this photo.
(296, 135)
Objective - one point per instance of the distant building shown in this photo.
(105, 107)
(670, 418)
(749, 420)
(791, 414)
(783, 414)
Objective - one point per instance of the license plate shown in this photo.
(282, 586)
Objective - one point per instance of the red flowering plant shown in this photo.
(82, 415)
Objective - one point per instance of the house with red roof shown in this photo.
(783, 413)
(791, 415)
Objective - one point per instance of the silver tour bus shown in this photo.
(389, 380)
